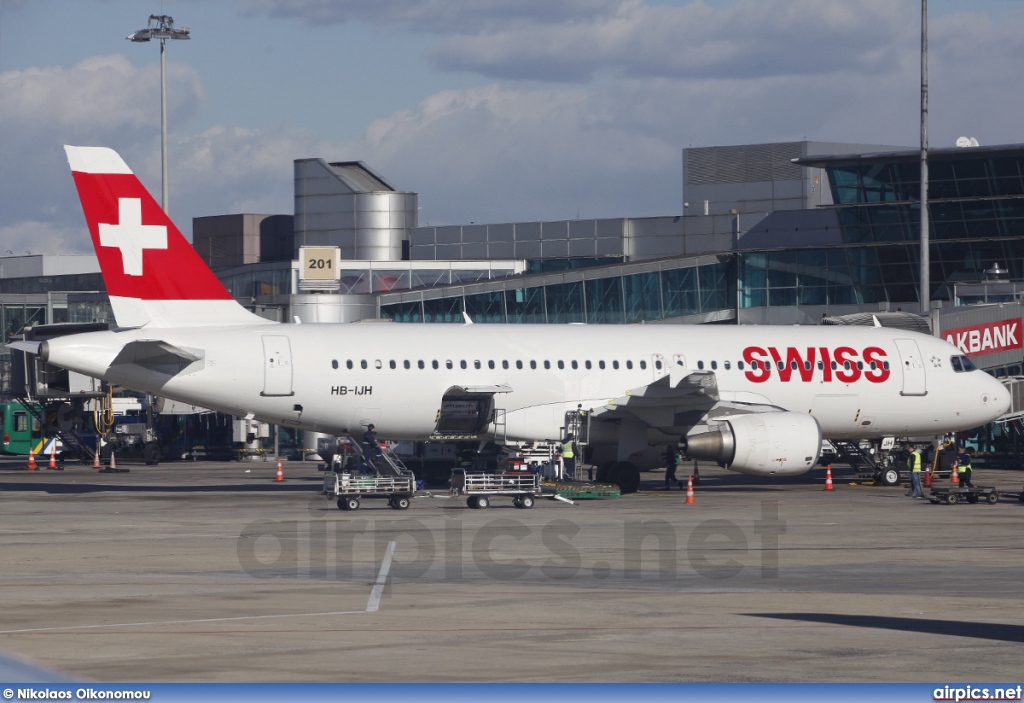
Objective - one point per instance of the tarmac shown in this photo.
(210, 572)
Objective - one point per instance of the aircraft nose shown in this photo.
(1000, 398)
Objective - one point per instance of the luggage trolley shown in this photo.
(523, 486)
(351, 488)
(952, 496)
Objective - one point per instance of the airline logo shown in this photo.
(986, 338)
(824, 364)
(131, 236)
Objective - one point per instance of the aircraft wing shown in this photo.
(668, 402)
(675, 404)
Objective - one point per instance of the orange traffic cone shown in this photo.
(280, 471)
(689, 491)
(828, 478)
(113, 461)
(928, 478)
(53, 457)
(954, 480)
(31, 459)
(696, 473)
(96, 459)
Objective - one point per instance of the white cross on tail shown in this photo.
(131, 236)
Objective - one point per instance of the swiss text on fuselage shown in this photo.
(816, 364)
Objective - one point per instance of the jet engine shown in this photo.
(762, 444)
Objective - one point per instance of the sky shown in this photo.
(491, 110)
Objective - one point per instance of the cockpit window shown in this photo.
(961, 364)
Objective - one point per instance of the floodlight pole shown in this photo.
(163, 31)
(925, 254)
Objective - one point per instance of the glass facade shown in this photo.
(630, 297)
(976, 212)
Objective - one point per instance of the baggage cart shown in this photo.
(952, 496)
(522, 486)
(350, 489)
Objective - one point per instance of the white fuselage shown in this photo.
(858, 382)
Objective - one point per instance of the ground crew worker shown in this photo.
(963, 467)
(914, 464)
(569, 455)
(671, 461)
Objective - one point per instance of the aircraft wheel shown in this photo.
(151, 454)
(890, 477)
(952, 499)
(627, 476)
(992, 498)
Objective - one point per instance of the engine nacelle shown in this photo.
(762, 444)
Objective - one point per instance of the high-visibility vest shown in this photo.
(962, 468)
(567, 450)
(914, 461)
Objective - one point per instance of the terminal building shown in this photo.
(782, 233)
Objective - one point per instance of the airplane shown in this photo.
(754, 399)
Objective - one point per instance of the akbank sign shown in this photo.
(987, 337)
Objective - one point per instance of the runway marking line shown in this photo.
(177, 622)
(382, 577)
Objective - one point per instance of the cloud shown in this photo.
(102, 100)
(431, 16)
(44, 238)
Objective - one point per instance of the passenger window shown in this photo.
(547, 364)
(615, 364)
(755, 364)
(574, 364)
(362, 364)
(643, 364)
(792, 365)
(348, 364)
(463, 364)
(714, 365)
(885, 365)
(834, 366)
(561, 364)
(476, 364)
(873, 366)
(700, 365)
(334, 364)
(629, 364)
(490, 364)
(727, 365)
(435, 364)
(504, 364)
(807, 365)
(378, 364)
(587, 363)
(846, 365)
(406, 364)
(821, 365)
(860, 365)
(519, 363)
(448, 364)
(780, 364)
(533, 364)
(739, 365)
(420, 363)
(600, 364)
(657, 364)
(393, 364)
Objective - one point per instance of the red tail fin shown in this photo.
(153, 275)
